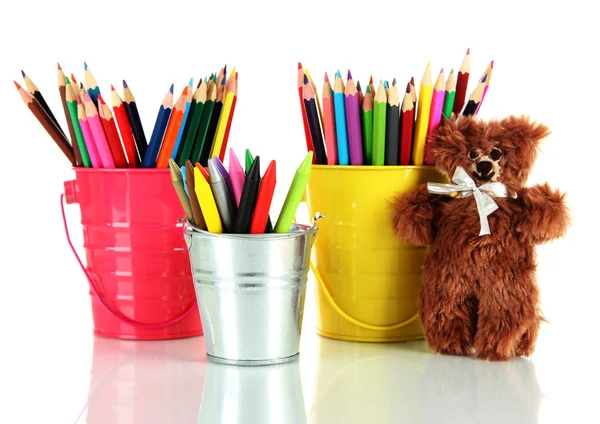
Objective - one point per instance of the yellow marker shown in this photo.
(222, 126)
(423, 107)
(207, 203)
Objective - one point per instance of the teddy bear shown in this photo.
(479, 294)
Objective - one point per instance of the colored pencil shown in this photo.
(98, 132)
(172, 130)
(207, 203)
(134, 120)
(209, 139)
(435, 113)
(228, 129)
(203, 140)
(37, 94)
(340, 120)
(90, 143)
(392, 126)
(177, 181)
(462, 80)
(91, 84)
(224, 116)
(329, 123)
(237, 175)
(248, 200)
(449, 96)
(366, 108)
(413, 94)
(62, 90)
(184, 122)
(191, 182)
(488, 72)
(71, 99)
(352, 106)
(318, 101)
(183, 135)
(406, 126)
(112, 135)
(423, 110)
(158, 133)
(379, 118)
(475, 97)
(360, 93)
(294, 195)
(219, 189)
(372, 86)
(120, 114)
(43, 118)
(313, 122)
(189, 144)
(264, 199)
(300, 83)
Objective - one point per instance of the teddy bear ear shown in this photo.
(524, 130)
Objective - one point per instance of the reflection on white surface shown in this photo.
(270, 394)
(145, 382)
(404, 382)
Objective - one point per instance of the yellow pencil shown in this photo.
(222, 126)
(207, 203)
(423, 107)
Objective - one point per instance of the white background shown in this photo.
(546, 66)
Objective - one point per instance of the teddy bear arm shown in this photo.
(412, 216)
(545, 215)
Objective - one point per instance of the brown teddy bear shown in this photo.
(479, 294)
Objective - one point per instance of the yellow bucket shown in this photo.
(368, 279)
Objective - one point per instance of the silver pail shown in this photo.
(250, 290)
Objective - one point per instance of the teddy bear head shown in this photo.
(489, 151)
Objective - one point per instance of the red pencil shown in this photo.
(462, 80)
(226, 136)
(300, 82)
(406, 126)
(112, 135)
(125, 128)
(263, 201)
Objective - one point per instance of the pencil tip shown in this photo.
(299, 65)
(17, 85)
(326, 77)
(124, 84)
(492, 64)
(338, 74)
(349, 75)
(469, 50)
(85, 67)
(368, 89)
(58, 65)
(371, 80)
(394, 82)
(112, 88)
(452, 70)
(171, 88)
(407, 88)
(412, 80)
(22, 73)
(484, 79)
(358, 87)
(191, 82)
(305, 79)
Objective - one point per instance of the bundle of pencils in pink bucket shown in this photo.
(194, 126)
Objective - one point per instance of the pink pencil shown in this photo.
(98, 133)
(236, 175)
(87, 135)
(329, 122)
(435, 112)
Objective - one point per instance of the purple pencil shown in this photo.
(353, 122)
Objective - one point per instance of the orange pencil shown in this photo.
(168, 143)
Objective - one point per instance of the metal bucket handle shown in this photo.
(340, 311)
(193, 306)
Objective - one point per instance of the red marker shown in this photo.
(263, 201)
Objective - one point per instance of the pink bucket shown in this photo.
(138, 266)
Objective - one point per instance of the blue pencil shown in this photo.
(183, 121)
(340, 120)
(92, 86)
(162, 119)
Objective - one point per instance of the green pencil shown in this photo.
(190, 137)
(71, 98)
(449, 97)
(366, 116)
(379, 115)
(294, 195)
(203, 145)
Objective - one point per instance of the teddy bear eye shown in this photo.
(473, 153)
(496, 154)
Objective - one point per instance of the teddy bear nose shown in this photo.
(484, 167)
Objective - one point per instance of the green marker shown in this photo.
(72, 106)
(449, 96)
(294, 196)
(249, 160)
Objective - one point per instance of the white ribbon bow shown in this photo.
(465, 186)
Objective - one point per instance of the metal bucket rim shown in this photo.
(297, 230)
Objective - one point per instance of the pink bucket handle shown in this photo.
(69, 185)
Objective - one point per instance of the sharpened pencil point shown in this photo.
(85, 66)
(67, 81)
(408, 88)
(349, 74)
(412, 80)
(22, 73)
(394, 82)
(338, 74)
(171, 88)
(125, 84)
(492, 64)
(112, 88)
(368, 88)
(371, 80)
(442, 71)
(305, 79)
(17, 84)
(191, 83)
(326, 77)
(58, 65)
(469, 50)
(358, 87)
(299, 65)
(452, 71)
(484, 78)
(224, 80)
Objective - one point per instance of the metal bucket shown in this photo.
(250, 290)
